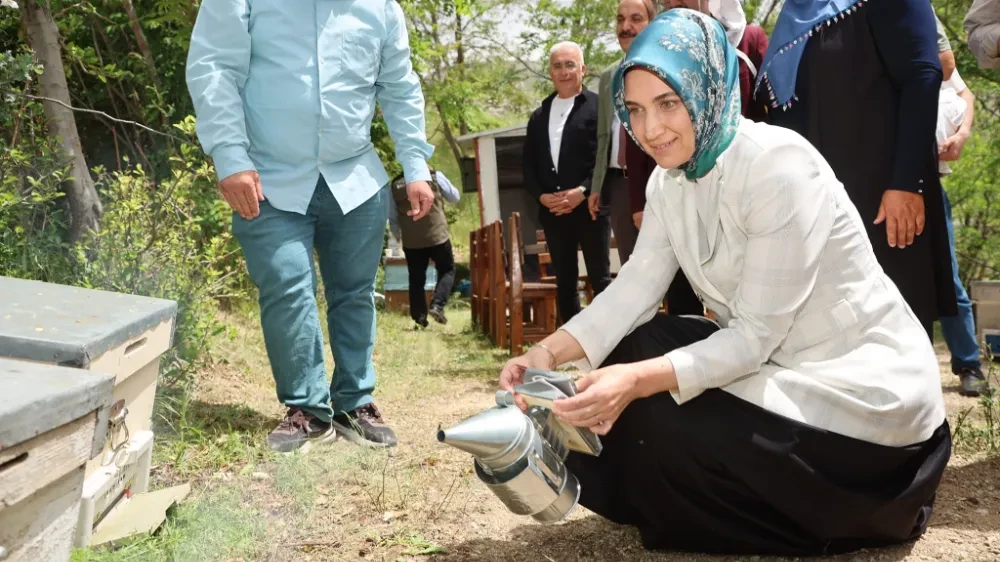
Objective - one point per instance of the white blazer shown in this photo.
(811, 327)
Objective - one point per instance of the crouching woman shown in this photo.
(808, 418)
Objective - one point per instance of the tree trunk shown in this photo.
(764, 11)
(84, 203)
(463, 127)
(449, 135)
(140, 39)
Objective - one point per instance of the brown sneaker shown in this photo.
(365, 426)
(298, 431)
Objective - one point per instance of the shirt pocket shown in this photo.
(360, 57)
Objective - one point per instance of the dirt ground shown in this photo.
(421, 501)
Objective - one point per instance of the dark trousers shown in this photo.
(416, 262)
(721, 475)
(563, 236)
(616, 185)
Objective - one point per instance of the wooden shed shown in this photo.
(494, 174)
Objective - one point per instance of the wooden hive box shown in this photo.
(52, 421)
(119, 334)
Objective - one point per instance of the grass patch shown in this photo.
(976, 428)
(197, 437)
(221, 524)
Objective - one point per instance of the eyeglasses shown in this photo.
(569, 65)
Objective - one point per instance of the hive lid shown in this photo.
(71, 325)
(36, 398)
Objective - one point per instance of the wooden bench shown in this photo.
(507, 309)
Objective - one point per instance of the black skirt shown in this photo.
(722, 475)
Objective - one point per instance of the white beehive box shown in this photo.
(52, 421)
(985, 297)
(119, 334)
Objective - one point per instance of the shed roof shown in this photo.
(512, 131)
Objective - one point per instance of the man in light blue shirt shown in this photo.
(285, 94)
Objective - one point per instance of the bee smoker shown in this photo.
(519, 457)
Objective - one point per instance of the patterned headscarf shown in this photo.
(689, 51)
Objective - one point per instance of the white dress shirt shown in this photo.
(951, 113)
(616, 144)
(558, 114)
(811, 327)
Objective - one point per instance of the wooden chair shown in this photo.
(474, 286)
(540, 297)
(496, 286)
(508, 310)
(482, 277)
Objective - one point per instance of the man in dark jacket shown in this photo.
(560, 150)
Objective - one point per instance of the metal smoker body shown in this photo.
(519, 457)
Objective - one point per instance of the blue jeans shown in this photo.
(959, 331)
(278, 247)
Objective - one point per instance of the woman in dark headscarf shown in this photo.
(809, 419)
(860, 80)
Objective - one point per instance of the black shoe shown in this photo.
(973, 381)
(365, 426)
(298, 431)
(421, 323)
(437, 313)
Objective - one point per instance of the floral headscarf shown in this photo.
(690, 52)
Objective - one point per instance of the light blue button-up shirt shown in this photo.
(288, 88)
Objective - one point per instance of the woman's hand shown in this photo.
(601, 397)
(513, 372)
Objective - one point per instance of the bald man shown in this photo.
(559, 150)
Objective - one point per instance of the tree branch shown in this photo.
(93, 111)
(518, 59)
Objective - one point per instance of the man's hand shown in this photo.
(951, 149)
(569, 199)
(574, 197)
(594, 204)
(243, 192)
(903, 213)
(421, 198)
(551, 200)
(556, 203)
(637, 219)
